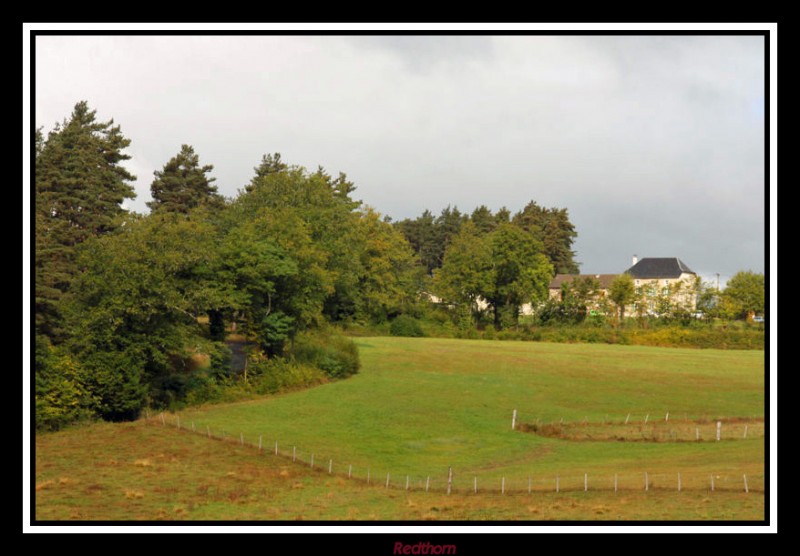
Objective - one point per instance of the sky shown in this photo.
(654, 144)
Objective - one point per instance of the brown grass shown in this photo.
(190, 477)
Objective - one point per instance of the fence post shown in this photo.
(177, 421)
(666, 417)
(697, 433)
(192, 426)
(529, 484)
(330, 467)
(163, 421)
(427, 483)
(241, 438)
(745, 431)
(679, 482)
(294, 454)
(745, 484)
(503, 486)
(712, 482)
(626, 418)
(367, 475)
(646, 417)
(615, 482)
(208, 431)
(407, 483)
(719, 429)
(387, 480)
(449, 479)
(514, 420)
(557, 485)
(475, 485)
(276, 447)
(259, 442)
(646, 485)
(585, 482)
(350, 471)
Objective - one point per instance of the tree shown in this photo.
(622, 292)
(132, 311)
(466, 274)
(183, 185)
(80, 187)
(388, 283)
(553, 228)
(744, 295)
(270, 164)
(520, 273)
(505, 269)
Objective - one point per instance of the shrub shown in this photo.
(407, 326)
(336, 355)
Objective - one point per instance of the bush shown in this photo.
(61, 394)
(336, 355)
(407, 326)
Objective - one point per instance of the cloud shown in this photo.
(654, 144)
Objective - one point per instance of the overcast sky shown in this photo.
(655, 144)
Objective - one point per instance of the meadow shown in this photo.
(420, 407)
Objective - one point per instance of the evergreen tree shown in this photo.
(183, 185)
(270, 164)
(80, 187)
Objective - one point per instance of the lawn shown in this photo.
(420, 407)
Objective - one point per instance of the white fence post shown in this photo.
(585, 482)
(514, 420)
(646, 482)
(330, 467)
(615, 482)
(679, 482)
(449, 479)
(475, 485)
(503, 486)
(719, 430)
(557, 485)
(712, 482)
(387, 480)
(259, 442)
(427, 483)
(745, 431)
(350, 471)
(626, 418)
(745, 484)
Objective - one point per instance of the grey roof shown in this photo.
(665, 267)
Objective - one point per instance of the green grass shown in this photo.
(420, 406)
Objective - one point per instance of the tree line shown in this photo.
(126, 304)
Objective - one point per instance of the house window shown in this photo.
(637, 282)
(666, 282)
(665, 291)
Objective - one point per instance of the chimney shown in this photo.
(635, 260)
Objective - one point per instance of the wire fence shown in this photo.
(454, 482)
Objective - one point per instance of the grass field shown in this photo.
(418, 407)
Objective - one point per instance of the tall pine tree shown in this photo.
(183, 185)
(80, 187)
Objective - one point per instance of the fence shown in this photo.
(450, 481)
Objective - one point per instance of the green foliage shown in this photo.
(553, 228)
(405, 325)
(622, 292)
(183, 185)
(744, 295)
(61, 392)
(336, 355)
(116, 381)
(80, 186)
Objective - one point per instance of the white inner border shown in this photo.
(389, 27)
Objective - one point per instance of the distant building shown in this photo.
(560, 279)
(665, 277)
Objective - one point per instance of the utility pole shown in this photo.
(717, 282)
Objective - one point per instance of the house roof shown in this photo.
(665, 267)
(604, 279)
